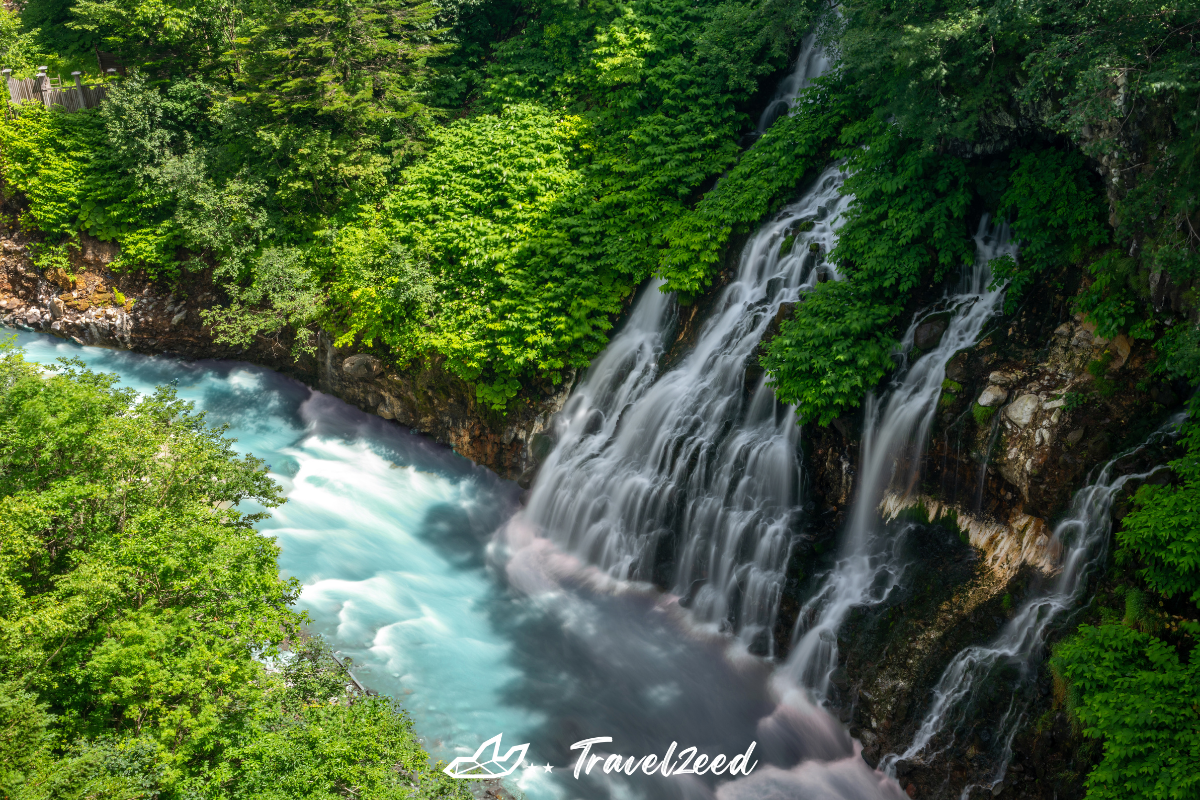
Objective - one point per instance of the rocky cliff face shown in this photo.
(1025, 417)
(94, 306)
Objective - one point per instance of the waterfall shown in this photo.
(868, 565)
(695, 472)
(1083, 538)
(813, 61)
(697, 466)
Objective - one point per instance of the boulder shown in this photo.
(362, 366)
(992, 396)
(1121, 347)
(929, 334)
(1000, 378)
(57, 308)
(1020, 411)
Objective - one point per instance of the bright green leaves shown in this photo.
(138, 604)
(1162, 533)
(832, 351)
(1136, 685)
(768, 174)
(907, 223)
(61, 163)
(1135, 692)
(323, 749)
(482, 212)
(906, 227)
(1057, 216)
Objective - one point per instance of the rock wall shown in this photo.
(1025, 416)
(94, 306)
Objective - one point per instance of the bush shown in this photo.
(831, 351)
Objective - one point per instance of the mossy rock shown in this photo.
(982, 414)
(786, 246)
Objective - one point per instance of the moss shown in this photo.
(951, 386)
(982, 414)
(806, 226)
(786, 246)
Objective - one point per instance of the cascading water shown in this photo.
(813, 61)
(1082, 538)
(868, 566)
(697, 459)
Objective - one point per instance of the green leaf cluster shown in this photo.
(832, 351)
(1056, 215)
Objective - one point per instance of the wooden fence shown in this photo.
(50, 92)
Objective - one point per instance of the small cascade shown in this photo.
(993, 435)
(812, 61)
(868, 566)
(1082, 539)
(698, 466)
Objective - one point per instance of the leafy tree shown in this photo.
(137, 607)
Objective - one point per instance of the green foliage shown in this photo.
(62, 165)
(1056, 217)
(19, 50)
(1098, 369)
(1162, 533)
(907, 224)
(1074, 400)
(905, 227)
(768, 174)
(1137, 694)
(831, 351)
(137, 603)
(283, 294)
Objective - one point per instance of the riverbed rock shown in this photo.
(57, 307)
(362, 366)
(1020, 411)
(992, 396)
(929, 334)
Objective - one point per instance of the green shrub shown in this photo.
(831, 351)
(1133, 691)
(1057, 216)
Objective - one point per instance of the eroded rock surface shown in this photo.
(94, 306)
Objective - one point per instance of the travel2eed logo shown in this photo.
(483, 765)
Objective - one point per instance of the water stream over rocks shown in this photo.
(1081, 539)
(869, 564)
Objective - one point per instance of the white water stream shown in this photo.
(698, 458)
(868, 565)
(1082, 538)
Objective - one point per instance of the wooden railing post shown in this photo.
(42, 84)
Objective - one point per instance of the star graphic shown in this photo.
(547, 768)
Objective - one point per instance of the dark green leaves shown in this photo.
(833, 350)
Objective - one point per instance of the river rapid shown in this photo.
(392, 537)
